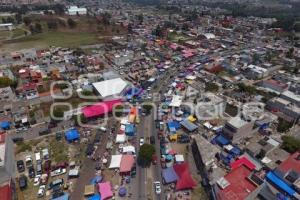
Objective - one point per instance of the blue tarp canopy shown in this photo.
(122, 191)
(133, 92)
(63, 197)
(280, 184)
(95, 197)
(96, 179)
(72, 135)
(5, 125)
(188, 125)
(169, 175)
(221, 140)
(235, 151)
(129, 129)
(173, 126)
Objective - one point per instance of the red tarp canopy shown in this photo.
(100, 108)
(127, 163)
(185, 180)
(5, 192)
(242, 161)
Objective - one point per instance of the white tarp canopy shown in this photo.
(121, 138)
(176, 101)
(179, 158)
(129, 149)
(207, 125)
(115, 161)
(190, 77)
(110, 87)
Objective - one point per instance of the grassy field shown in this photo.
(47, 39)
(4, 34)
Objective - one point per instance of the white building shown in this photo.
(74, 10)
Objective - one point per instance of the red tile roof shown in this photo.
(291, 163)
(239, 186)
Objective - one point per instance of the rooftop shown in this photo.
(237, 122)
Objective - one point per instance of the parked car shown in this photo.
(58, 136)
(31, 172)
(41, 191)
(37, 180)
(55, 183)
(28, 161)
(142, 141)
(152, 139)
(39, 169)
(60, 165)
(23, 182)
(58, 172)
(18, 139)
(47, 165)
(157, 187)
(20, 166)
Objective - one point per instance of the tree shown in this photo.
(147, 108)
(283, 126)
(38, 28)
(58, 112)
(18, 18)
(211, 87)
(71, 23)
(27, 21)
(290, 144)
(52, 25)
(59, 9)
(145, 155)
(5, 82)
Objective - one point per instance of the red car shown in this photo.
(60, 165)
(154, 159)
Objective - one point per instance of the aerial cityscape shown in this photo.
(149, 100)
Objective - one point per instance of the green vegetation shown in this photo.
(23, 147)
(46, 39)
(252, 90)
(283, 126)
(290, 144)
(5, 82)
(211, 87)
(145, 155)
(59, 151)
(18, 32)
(147, 108)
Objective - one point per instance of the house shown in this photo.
(236, 129)
(274, 85)
(74, 10)
(284, 108)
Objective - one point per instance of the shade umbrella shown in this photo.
(122, 191)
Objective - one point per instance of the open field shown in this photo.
(44, 40)
(88, 30)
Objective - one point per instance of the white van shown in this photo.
(103, 129)
(38, 157)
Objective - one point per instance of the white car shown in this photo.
(142, 141)
(41, 191)
(37, 180)
(157, 187)
(58, 172)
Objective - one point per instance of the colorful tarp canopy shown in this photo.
(242, 161)
(169, 175)
(95, 197)
(5, 125)
(185, 180)
(100, 108)
(188, 125)
(280, 183)
(96, 179)
(72, 135)
(105, 190)
(127, 163)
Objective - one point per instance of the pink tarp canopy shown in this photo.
(105, 190)
(100, 108)
(127, 163)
